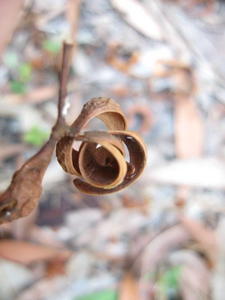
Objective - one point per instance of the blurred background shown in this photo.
(162, 237)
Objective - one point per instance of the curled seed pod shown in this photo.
(100, 163)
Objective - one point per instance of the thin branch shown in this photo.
(63, 79)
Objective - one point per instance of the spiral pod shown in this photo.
(106, 161)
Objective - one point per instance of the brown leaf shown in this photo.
(27, 253)
(129, 289)
(205, 237)
(100, 161)
(24, 191)
(114, 58)
(10, 14)
(160, 246)
(146, 116)
(189, 132)
(194, 272)
(10, 150)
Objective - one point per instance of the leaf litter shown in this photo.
(169, 81)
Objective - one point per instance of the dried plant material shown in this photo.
(119, 60)
(160, 246)
(10, 150)
(100, 161)
(206, 172)
(205, 237)
(205, 6)
(72, 12)
(144, 113)
(189, 130)
(22, 195)
(27, 253)
(179, 77)
(24, 191)
(218, 287)
(10, 14)
(56, 267)
(129, 289)
(193, 284)
(143, 22)
(21, 229)
(194, 271)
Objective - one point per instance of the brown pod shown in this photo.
(100, 162)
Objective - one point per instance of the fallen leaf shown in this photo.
(10, 150)
(10, 14)
(206, 172)
(137, 16)
(189, 129)
(193, 272)
(205, 237)
(160, 246)
(144, 113)
(27, 253)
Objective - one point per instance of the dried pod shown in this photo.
(100, 163)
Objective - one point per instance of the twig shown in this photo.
(72, 13)
(63, 79)
(24, 191)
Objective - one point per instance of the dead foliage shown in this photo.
(100, 161)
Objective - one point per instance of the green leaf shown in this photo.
(17, 87)
(35, 136)
(100, 295)
(52, 46)
(25, 72)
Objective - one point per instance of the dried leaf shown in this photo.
(162, 245)
(10, 13)
(114, 58)
(207, 172)
(193, 272)
(189, 132)
(100, 161)
(137, 16)
(22, 196)
(27, 253)
(10, 150)
(205, 237)
(146, 116)
(129, 289)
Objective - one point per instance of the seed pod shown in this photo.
(100, 163)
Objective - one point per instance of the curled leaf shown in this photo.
(100, 162)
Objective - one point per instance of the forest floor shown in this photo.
(162, 237)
